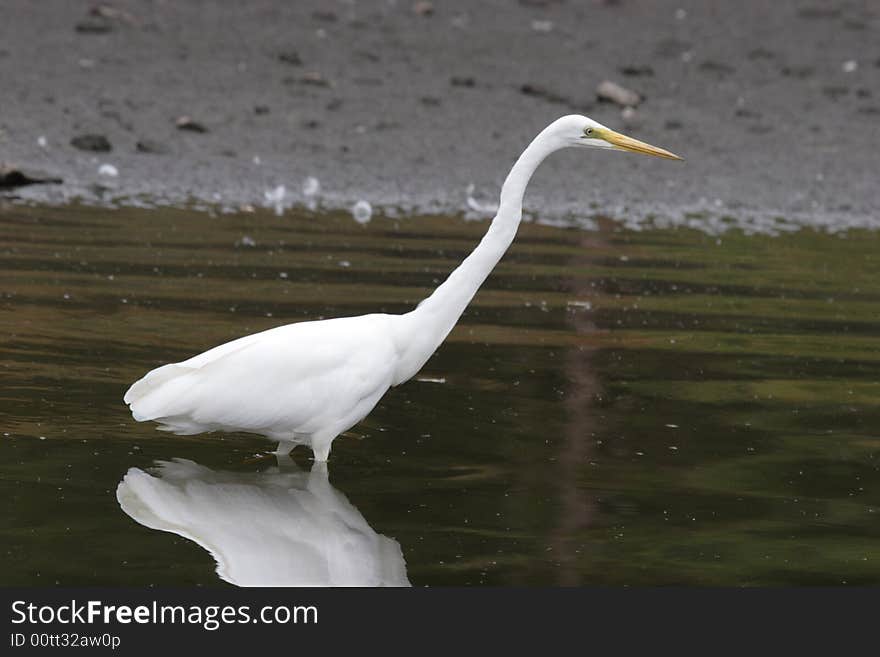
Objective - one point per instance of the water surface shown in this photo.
(658, 407)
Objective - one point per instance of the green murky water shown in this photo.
(614, 408)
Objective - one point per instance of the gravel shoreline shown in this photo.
(775, 106)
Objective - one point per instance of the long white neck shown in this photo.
(421, 331)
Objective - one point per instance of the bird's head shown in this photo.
(581, 131)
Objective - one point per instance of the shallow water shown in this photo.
(614, 408)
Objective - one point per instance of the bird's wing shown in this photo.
(154, 379)
(295, 378)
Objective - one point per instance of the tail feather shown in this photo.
(152, 380)
(149, 397)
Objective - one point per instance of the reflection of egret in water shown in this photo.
(282, 527)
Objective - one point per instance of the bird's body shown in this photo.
(301, 383)
(306, 383)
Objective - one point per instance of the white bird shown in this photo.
(280, 527)
(306, 383)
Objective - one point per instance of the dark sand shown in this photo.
(775, 105)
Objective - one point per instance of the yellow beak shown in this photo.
(624, 143)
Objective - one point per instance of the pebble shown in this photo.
(613, 92)
(637, 71)
(108, 170)
(314, 79)
(290, 57)
(542, 92)
(92, 142)
(151, 147)
(94, 25)
(12, 177)
(311, 186)
(542, 26)
(362, 212)
(186, 123)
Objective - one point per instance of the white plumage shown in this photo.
(282, 527)
(300, 383)
(306, 383)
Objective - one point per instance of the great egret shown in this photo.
(306, 383)
(280, 527)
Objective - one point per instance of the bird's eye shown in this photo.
(588, 131)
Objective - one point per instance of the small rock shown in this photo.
(92, 142)
(333, 105)
(542, 92)
(246, 240)
(93, 25)
(311, 186)
(186, 123)
(429, 101)
(637, 71)
(423, 8)
(612, 92)
(672, 124)
(11, 177)
(290, 57)
(108, 170)
(457, 81)
(850, 66)
(151, 147)
(542, 26)
(315, 79)
(261, 110)
(112, 13)
(362, 212)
